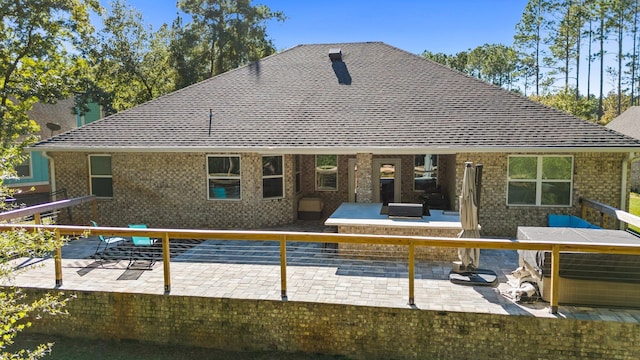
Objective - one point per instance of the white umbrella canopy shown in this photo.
(470, 258)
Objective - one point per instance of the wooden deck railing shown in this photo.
(411, 242)
(37, 210)
(283, 237)
(606, 213)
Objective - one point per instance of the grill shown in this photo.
(405, 210)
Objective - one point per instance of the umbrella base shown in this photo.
(477, 277)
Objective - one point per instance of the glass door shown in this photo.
(386, 181)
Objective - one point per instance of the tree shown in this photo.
(130, 64)
(40, 45)
(618, 20)
(565, 38)
(225, 34)
(583, 107)
(456, 62)
(610, 106)
(528, 39)
(633, 56)
(17, 310)
(37, 61)
(493, 63)
(601, 8)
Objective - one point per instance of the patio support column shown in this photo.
(364, 188)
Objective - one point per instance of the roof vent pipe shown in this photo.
(335, 54)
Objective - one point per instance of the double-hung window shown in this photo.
(100, 176)
(326, 172)
(23, 170)
(540, 180)
(272, 177)
(223, 177)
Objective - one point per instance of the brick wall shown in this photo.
(357, 332)
(596, 176)
(375, 251)
(169, 190)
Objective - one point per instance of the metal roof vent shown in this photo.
(335, 54)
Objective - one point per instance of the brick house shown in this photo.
(33, 173)
(628, 123)
(362, 122)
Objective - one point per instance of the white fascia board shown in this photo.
(340, 150)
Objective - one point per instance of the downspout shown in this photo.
(52, 172)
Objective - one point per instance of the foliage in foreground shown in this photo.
(17, 310)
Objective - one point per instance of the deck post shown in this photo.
(37, 219)
(283, 267)
(57, 258)
(555, 277)
(166, 262)
(411, 274)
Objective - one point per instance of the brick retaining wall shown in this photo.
(399, 251)
(356, 332)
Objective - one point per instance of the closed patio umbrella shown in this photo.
(470, 258)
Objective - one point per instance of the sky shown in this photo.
(448, 26)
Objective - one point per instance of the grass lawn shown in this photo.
(634, 208)
(81, 349)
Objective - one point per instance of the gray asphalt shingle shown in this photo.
(293, 100)
(628, 122)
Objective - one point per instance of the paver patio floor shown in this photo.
(252, 271)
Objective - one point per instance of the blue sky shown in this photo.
(447, 26)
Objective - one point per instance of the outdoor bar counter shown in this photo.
(367, 218)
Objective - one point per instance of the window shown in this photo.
(327, 172)
(272, 177)
(298, 174)
(100, 175)
(425, 170)
(23, 170)
(223, 177)
(540, 180)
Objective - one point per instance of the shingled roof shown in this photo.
(628, 122)
(377, 99)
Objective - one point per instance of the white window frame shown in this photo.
(226, 177)
(280, 176)
(539, 181)
(92, 176)
(29, 164)
(315, 166)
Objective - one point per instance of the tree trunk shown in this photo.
(620, 33)
(600, 110)
(589, 60)
(634, 51)
(578, 67)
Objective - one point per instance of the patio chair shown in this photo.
(138, 243)
(106, 241)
